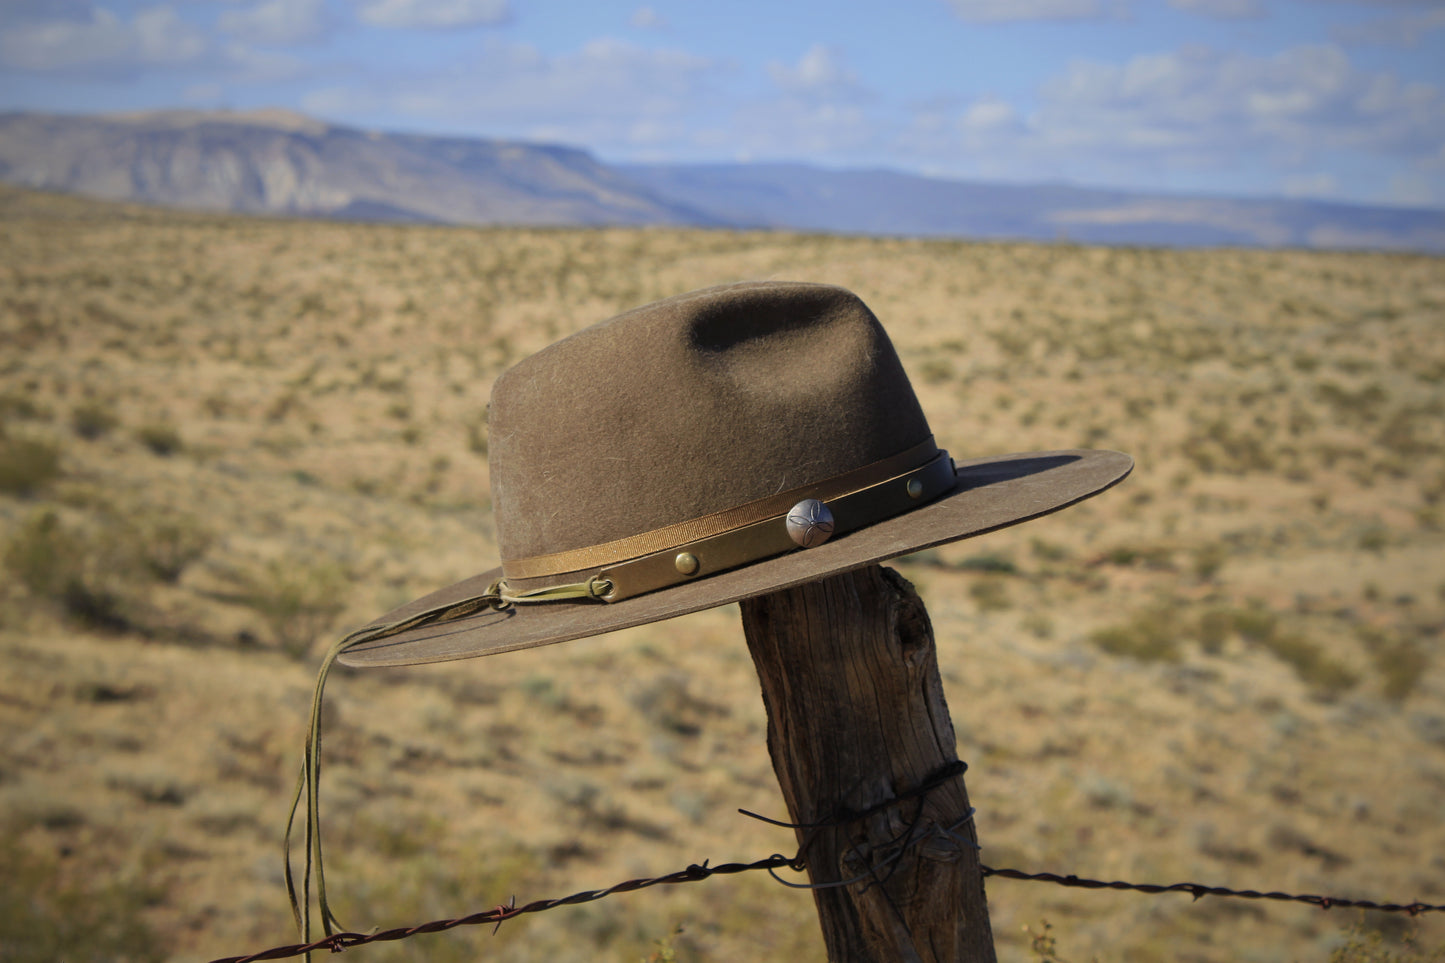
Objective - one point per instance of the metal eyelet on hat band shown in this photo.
(687, 563)
(810, 523)
(915, 488)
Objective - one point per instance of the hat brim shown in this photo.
(991, 493)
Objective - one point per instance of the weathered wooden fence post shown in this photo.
(857, 717)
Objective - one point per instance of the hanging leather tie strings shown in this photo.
(497, 597)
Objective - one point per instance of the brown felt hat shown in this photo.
(704, 449)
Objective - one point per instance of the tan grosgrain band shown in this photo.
(731, 519)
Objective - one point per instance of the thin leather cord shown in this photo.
(498, 598)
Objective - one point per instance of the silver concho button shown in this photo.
(810, 523)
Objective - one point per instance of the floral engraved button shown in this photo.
(810, 523)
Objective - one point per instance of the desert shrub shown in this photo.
(92, 419)
(1221, 446)
(929, 557)
(994, 563)
(1371, 944)
(544, 690)
(1254, 624)
(1401, 665)
(668, 702)
(420, 889)
(1317, 670)
(1043, 944)
(18, 407)
(1157, 557)
(297, 601)
(936, 371)
(84, 570)
(1259, 626)
(1400, 662)
(1364, 404)
(1213, 629)
(1038, 624)
(477, 437)
(1048, 551)
(667, 949)
(34, 554)
(1412, 432)
(27, 465)
(161, 439)
(1376, 539)
(1150, 636)
(1208, 560)
(47, 913)
(167, 542)
(990, 594)
(282, 407)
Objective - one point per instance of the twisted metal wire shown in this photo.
(1199, 890)
(694, 873)
(337, 942)
(698, 872)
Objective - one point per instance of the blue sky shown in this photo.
(1337, 99)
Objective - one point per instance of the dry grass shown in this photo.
(225, 439)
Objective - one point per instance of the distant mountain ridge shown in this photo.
(283, 163)
(801, 197)
(279, 162)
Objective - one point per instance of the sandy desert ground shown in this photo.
(227, 440)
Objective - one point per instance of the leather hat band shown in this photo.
(729, 520)
(770, 536)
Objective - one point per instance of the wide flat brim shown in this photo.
(991, 493)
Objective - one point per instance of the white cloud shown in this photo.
(1197, 118)
(277, 22)
(103, 42)
(997, 11)
(1221, 9)
(205, 95)
(12, 11)
(433, 13)
(793, 128)
(1204, 102)
(1415, 189)
(608, 94)
(989, 113)
(820, 72)
(1405, 30)
(246, 64)
(647, 18)
(1313, 184)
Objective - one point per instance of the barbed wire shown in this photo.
(1199, 891)
(698, 872)
(695, 873)
(337, 942)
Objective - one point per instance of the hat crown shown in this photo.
(690, 406)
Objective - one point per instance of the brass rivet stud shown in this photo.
(915, 488)
(809, 523)
(687, 563)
